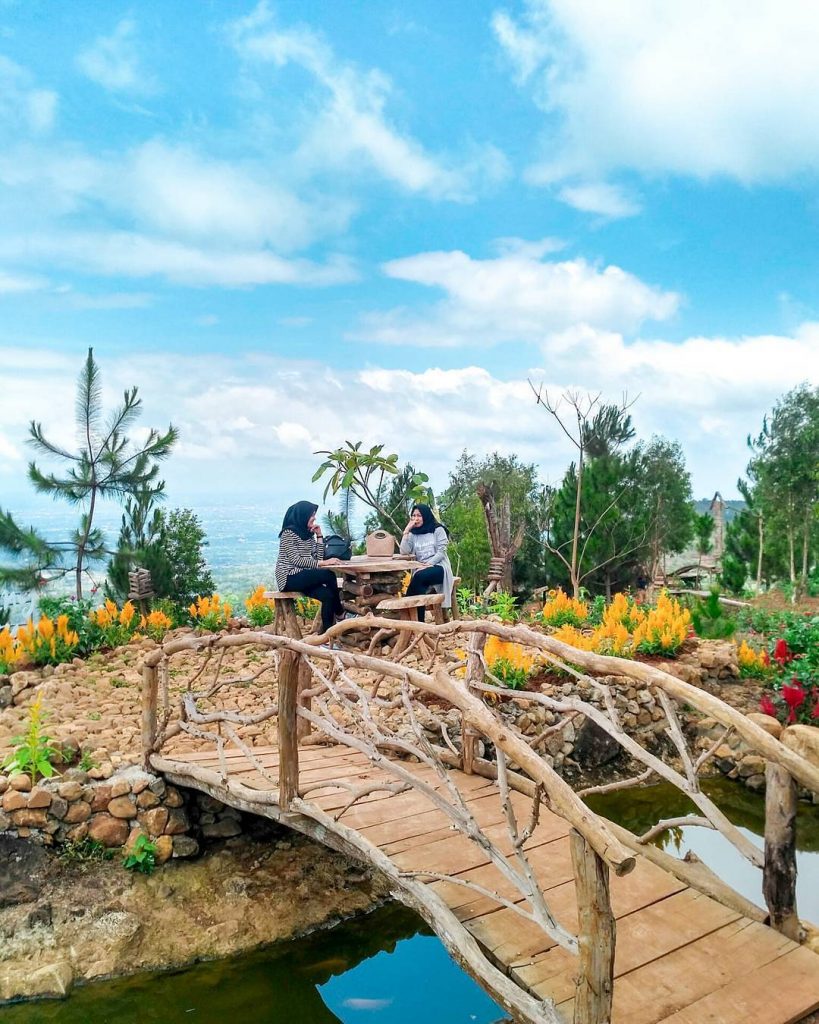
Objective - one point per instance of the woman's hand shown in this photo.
(327, 563)
(316, 531)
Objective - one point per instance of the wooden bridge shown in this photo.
(559, 914)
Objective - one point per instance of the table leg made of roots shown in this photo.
(366, 581)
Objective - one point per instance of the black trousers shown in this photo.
(319, 584)
(421, 582)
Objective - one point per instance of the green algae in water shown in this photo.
(384, 968)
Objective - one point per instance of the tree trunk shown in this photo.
(803, 574)
(574, 572)
(608, 587)
(84, 541)
(761, 522)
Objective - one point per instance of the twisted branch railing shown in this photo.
(317, 692)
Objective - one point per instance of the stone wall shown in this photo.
(738, 761)
(113, 811)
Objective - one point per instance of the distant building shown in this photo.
(689, 566)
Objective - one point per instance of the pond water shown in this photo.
(387, 968)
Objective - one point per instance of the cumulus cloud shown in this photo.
(11, 283)
(348, 126)
(512, 298)
(113, 62)
(665, 86)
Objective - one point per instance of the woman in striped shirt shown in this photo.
(301, 565)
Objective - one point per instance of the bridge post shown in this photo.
(474, 674)
(288, 729)
(596, 935)
(149, 694)
(779, 872)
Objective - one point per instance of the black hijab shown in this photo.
(430, 524)
(297, 517)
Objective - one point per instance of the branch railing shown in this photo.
(330, 693)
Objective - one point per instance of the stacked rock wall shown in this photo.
(113, 812)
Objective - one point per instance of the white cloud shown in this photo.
(599, 197)
(259, 419)
(130, 254)
(512, 298)
(348, 125)
(174, 190)
(24, 106)
(11, 283)
(705, 89)
(112, 61)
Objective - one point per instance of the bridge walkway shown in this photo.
(681, 957)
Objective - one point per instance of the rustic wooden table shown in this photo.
(365, 581)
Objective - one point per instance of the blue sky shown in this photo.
(291, 224)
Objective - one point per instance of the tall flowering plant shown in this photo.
(261, 610)
(210, 613)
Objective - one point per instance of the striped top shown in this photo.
(296, 554)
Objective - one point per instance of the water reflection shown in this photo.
(385, 968)
(639, 809)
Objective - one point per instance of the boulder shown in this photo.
(77, 812)
(14, 800)
(39, 797)
(593, 746)
(26, 818)
(20, 781)
(107, 830)
(767, 722)
(803, 740)
(122, 807)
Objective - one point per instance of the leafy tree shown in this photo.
(665, 487)
(341, 522)
(785, 472)
(367, 475)
(179, 547)
(595, 431)
(106, 464)
(517, 493)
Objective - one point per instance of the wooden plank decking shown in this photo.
(681, 957)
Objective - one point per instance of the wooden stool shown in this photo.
(407, 608)
(286, 621)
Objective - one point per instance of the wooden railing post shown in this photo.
(474, 674)
(288, 730)
(596, 936)
(149, 695)
(779, 872)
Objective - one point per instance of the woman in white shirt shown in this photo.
(426, 540)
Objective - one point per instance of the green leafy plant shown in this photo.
(597, 609)
(83, 851)
(504, 605)
(468, 602)
(87, 761)
(142, 856)
(307, 607)
(709, 619)
(510, 675)
(34, 753)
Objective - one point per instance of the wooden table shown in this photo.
(365, 581)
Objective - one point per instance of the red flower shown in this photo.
(782, 652)
(766, 706)
(794, 697)
(815, 712)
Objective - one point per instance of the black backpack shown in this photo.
(337, 547)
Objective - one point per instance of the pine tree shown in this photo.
(106, 464)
